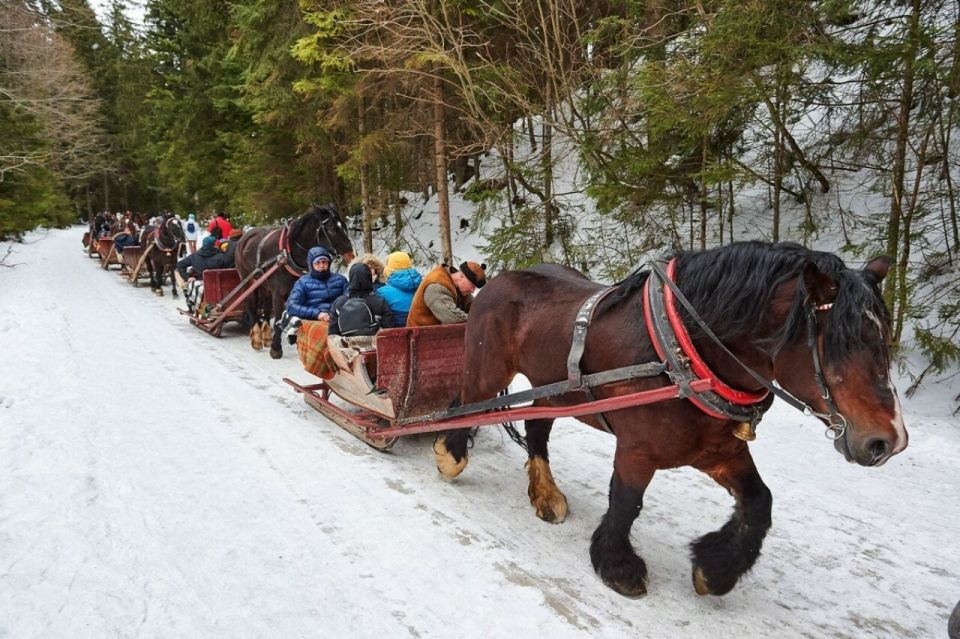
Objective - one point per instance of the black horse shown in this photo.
(162, 244)
(287, 244)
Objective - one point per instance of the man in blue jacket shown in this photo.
(314, 293)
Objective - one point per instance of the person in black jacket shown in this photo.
(361, 311)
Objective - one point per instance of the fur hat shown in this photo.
(397, 261)
(475, 273)
(371, 261)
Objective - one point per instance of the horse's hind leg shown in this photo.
(550, 503)
(611, 553)
(487, 375)
(276, 345)
(720, 558)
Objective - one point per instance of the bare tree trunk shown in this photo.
(106, 192)
(704, 194)
(900, 155)
(901, 272)
(364, 186)
(547, 166)
(507, 159)
(440, 163)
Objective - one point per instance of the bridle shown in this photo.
(836, 422)
(156, 236)
(285, 242)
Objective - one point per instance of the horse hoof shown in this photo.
(446, 464)
(255, 341)
(545, 497)
(700, 582)
(158, 293)
(632, 591)
(276, 353)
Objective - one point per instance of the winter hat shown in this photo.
(397, 261)
(235, 234)
(475, 273)
(371, 261)
(192, 217)
(208, 241)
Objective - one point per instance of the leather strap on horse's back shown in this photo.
(578, 343)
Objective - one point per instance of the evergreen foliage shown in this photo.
(676, 112)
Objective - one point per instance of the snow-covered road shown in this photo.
(157, 482)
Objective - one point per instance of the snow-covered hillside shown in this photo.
(158, 482)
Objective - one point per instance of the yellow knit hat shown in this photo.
(397, 261)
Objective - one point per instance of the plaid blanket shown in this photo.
(312, 347)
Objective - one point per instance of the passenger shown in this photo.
(314, 293)
(228, 249)
(445, 295)
(362, 311)
(220, 226)
(127, 238)
(402, 282)
(190, 232)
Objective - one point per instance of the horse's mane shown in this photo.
(731, 287)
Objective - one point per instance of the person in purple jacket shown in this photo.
(314, 293)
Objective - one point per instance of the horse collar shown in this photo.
(673, 345)
(286, 255)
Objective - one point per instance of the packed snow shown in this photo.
(158, 482)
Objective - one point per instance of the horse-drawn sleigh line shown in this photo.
(676, 385)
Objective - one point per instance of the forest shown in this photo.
(588, 133)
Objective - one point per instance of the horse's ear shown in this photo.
(877, 268)
(820, 287)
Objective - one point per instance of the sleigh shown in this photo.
(131, 263)
(224, 294)
(408, 382)
(107, 252)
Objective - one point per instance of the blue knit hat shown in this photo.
(208, 241)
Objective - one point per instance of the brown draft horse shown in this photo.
(163, 243)
(263, 246)
(763, 302)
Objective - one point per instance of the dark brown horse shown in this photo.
(262, 247)
(162, 245)
(796, 316)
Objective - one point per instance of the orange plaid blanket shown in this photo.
(312, 347)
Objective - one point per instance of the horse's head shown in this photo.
(835, 357)
(171, 230)
(330, 231)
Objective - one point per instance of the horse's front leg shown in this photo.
(154, 287)
(720, 558)
(173, 280)
(612, 554)
(546, 498)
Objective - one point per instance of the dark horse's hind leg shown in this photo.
(276, 345)
(487, 376)
(550, 503)
(611, 553)
(720, 558)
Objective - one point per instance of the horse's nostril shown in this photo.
(878, 448)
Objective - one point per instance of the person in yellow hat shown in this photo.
(445, 295)
(402, 283)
